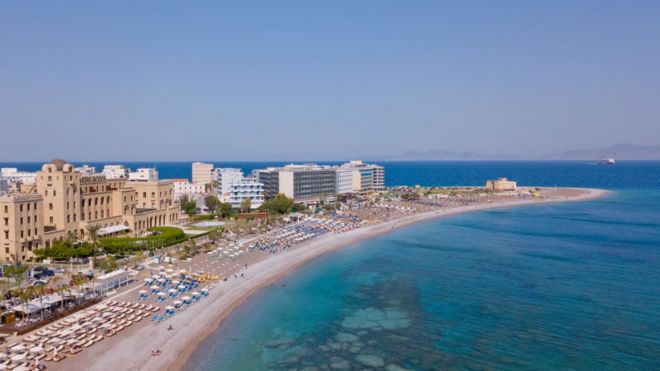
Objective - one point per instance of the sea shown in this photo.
(540, 287)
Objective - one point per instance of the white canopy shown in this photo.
(112, 229)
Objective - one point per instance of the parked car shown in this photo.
(49, 273)
(42, 282)
(38, 275)
(139, 267)
(58, 270)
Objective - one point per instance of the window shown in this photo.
(21, 220)
(6, 209)
(51, 220)
(28, 207)
(54, 193)
(50, 206)
(20, 208)
(68, 218)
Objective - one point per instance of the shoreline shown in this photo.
(197, 323)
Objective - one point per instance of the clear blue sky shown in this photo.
(160, 80)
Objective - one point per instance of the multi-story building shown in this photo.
(366, 177)
(143, 175)
(64, 202)
(246, 188)
(304, 183)
(344, 181)
(202, 173)
(13, 176)
(86, 170)
(21, 226)
(182, 187)
(270, 178)
(115, 172)
(225, 178)
(4, 185)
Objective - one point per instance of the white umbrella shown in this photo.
(169, 307)
(36, 350)
(161, 280)
(148, 280)
(176, 282)
(177, 302)
(172, 291)
(142, 291)
(18, 358)
(18, 348)
(161, 294)
(181, 287)
(185, 298)
(154, 287)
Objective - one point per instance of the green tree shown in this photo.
(278, 205)
(40, 291)
(225, 210)
(246, 205)
(187, 205)
(211, 202)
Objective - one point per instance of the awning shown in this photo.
(112, 229)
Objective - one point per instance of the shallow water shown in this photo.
(538, 287)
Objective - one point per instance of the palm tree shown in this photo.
(78, 281)
(24, 295)
(61, 289)
(40, 290)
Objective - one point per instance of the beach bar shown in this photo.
(111, 281)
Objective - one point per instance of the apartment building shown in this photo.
(202, 173)
(246, 188)
(182, 187)
(143, 175)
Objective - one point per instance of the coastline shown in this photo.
(198, 322)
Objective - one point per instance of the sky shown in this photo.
(294, 80)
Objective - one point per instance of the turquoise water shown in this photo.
(538, 287)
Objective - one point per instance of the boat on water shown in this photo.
(606, 161)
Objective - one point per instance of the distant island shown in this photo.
(618, 151)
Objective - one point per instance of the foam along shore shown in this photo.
(132, 350)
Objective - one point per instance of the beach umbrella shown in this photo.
(155, 276)
(18, 348)
(172, 291)
(19, 358)
(185, 298)
(181, 287)
(154, 287)
(36, 350)
(148, 280)
(4, 355)
(142, 292)
(54, 340)
(169, 270)
(176, 282)
(161, 294)
(169, 307)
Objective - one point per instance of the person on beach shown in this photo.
(170, 328)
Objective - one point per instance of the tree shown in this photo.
(225, 210)
(40, 291)
(281, 204)
(187, 205)
(93, 232)
(211, 202)
(246, 205)
(214, 235)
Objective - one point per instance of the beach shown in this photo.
(132, 349)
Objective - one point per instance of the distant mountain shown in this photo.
(437, 155)
(618, 152)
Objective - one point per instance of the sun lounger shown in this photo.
(88, 343)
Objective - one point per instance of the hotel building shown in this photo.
(202, 173)
(303, 183)
(143, 175)
(246, 188)
(63, 202)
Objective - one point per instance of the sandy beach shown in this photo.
(132, 349)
